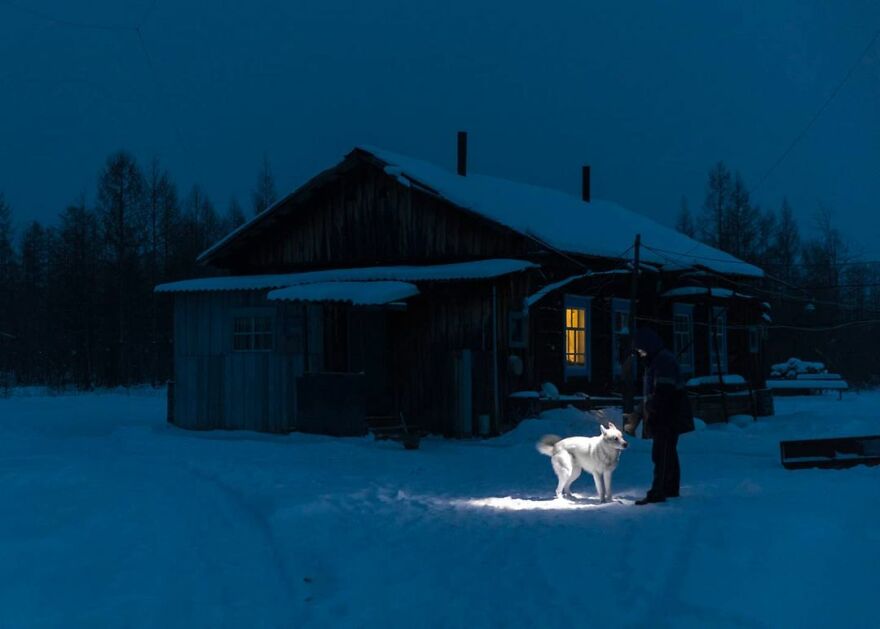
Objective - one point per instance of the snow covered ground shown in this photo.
(111, 518)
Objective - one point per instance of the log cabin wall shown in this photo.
(217, 387)
(368, 218)
(436, 326)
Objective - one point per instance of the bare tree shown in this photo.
(685, 220)
(121, 209)
(713, 223)
(264, 194)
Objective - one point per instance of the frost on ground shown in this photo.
(112, 518)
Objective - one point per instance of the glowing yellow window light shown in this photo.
(575, 336)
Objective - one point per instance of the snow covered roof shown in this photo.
(537, 296)
(357, 293)
(690, 291)
(556, 219)
(560, 220)
(476, 270)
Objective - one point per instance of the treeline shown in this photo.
(817, 283)
(76, 298)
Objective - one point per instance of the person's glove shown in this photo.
(630, 422)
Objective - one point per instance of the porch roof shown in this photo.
(356, 293)
(475, 270)
(695, 291)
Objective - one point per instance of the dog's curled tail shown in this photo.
(545, 445)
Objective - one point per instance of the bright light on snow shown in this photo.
(509, 503)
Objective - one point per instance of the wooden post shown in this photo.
(712, 332)
(630, 380)
(495, 357)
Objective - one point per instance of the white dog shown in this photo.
(597, 455)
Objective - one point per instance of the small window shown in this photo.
(718, 336)
(754, 339)
(577, 347)
(518, 329)
(683, 336)
(619, 333)
(252, 334)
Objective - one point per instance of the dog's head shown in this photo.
(612, 436)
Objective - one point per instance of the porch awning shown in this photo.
(459, 271)
(356, 293)
(697, 291)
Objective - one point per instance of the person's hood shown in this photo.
(648, 341)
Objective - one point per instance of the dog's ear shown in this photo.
(603, 429)
(611, 426)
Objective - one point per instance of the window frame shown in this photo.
(252, 315)
(522, 317)
(754, 339)
(686, 311)
(718, 324)
(618, 305)
(583, 303)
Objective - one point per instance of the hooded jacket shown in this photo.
(666, 407)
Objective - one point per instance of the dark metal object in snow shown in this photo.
(838, 453)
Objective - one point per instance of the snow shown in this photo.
(794, 366)
(357, 293)
(537, 296)
(113, 518)
(728, 378)
(476, 270)
(690, 291)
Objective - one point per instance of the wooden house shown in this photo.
(387, 287)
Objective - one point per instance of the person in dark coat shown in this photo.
(665, 413)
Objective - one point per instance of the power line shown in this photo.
(818, 113)
(133, 28)
(777, 295)
(65, 22)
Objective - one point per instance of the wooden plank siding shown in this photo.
(368, 218)
(216, 387)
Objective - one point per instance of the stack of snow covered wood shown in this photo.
(798, 376)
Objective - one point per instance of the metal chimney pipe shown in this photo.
(462, 153)
(585, 183)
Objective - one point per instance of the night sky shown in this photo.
(650, 94)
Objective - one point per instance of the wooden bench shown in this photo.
(395, 427)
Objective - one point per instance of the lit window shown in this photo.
(575, 337)
(252, 334)
(576, 341)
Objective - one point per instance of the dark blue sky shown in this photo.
(650, 94)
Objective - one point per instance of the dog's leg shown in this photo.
(607, 478)
(600, 485)
(575, 473)
(562, 465)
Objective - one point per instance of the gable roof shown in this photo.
(557, 220)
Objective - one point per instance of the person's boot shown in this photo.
(649, 499)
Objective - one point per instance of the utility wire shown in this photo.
(65, 22)
(818, 113)
(776, 294)
(130, 28)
